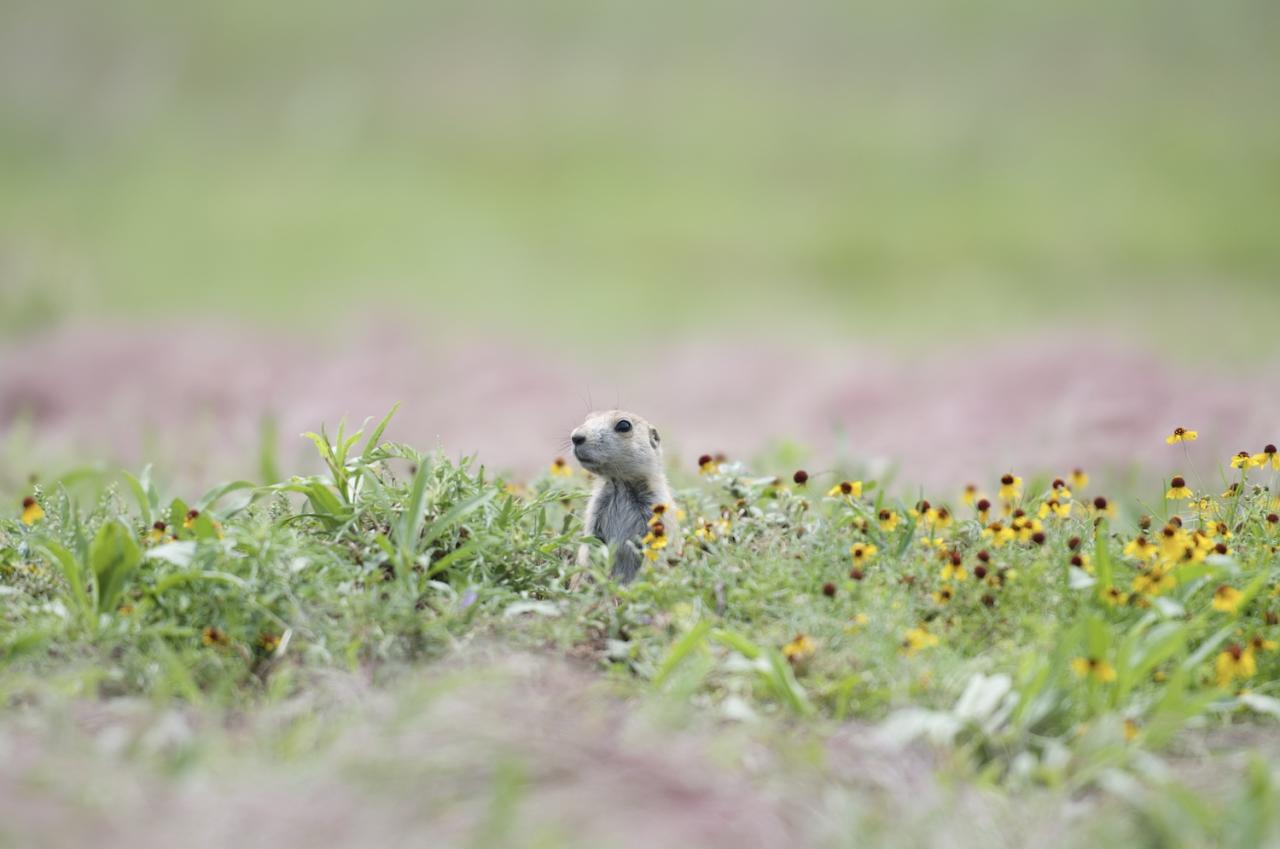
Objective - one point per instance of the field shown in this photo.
(860, 255)
(389, 650)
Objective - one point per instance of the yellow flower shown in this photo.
(1267, 457)
(1174, 543)
(1115, 596)
(1060, 490)
(708, 465)
(1226, 599)
(1141, 548)
(32, 512)
(1131, 730)
(1010, 487)
(156, 533)
(1086, 667)
(1235, 662)
(862, 552)
(1181, 434)
(998, 534)
(944, 595)
(1058, 508)
(1259, 643)
(1154, 581)
(888, 520)
(655, 540)
(190, 521)
(1079, 479)
(953, 570)
(970, 494)
(561, 469)
(1178, 489)
(1243, 460)
(1103, 507)
(918, 639)
(800, 649)
(846, 489)
(212, 636)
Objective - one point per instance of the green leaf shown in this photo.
(681, 649)
(113, 556)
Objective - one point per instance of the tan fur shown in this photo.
(629, 481)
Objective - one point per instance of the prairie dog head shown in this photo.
(618, 445)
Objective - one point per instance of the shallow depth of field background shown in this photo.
(862, 228)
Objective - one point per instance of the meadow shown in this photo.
(870, 251)
(1053, 649)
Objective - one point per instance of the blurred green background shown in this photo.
(915, 172)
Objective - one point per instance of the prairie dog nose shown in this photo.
(578, 438)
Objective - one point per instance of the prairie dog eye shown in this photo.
(623, 426)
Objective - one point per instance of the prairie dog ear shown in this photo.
(654, 439)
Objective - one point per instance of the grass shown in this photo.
(540, 164)
(1042, 652)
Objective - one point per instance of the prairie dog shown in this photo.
(624, 452)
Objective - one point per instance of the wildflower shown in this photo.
(998, 534)
(1057, 508)
(1093, 667)
(655, 541)
(1181, 434)
(944, 595)
(1268, 456)
(862, 552)
(1173, 542)
(1060, 490)
(1141, 548)
(942, 517)
(1259, 643)
(1154, 581)
(970, 494)
(829, 589)
(953, 569)
(1081, 561)
(1178, 489)
(269, 642)
(888, 520)
(1010, 487)
(32, 512)
(984, 508)
(846, 489)
(705, 531)
(800, 649)
(1103, 507)
(1226, 599)
(1115, 596)
(658, 511)
(801, 477)
(1079, 479)
(156, 534)
(190, 521)
(707, 465)
(1243, 460)
(560, 469)
(1235, 662)
(212, 636)
(917, 639)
